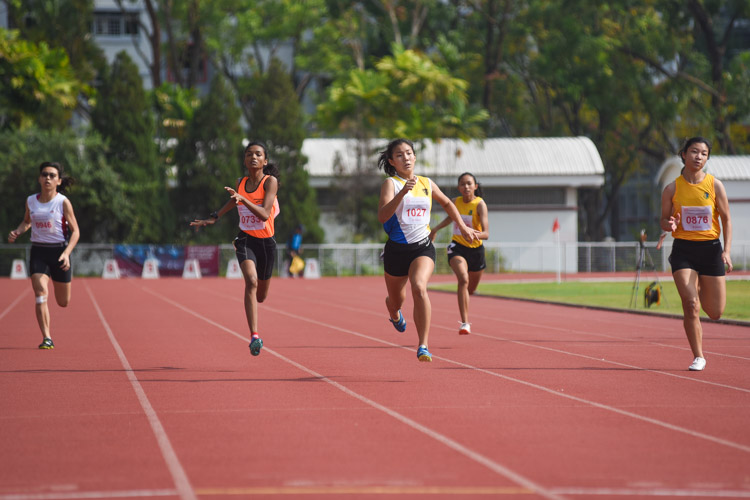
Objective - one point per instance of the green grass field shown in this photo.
(615, 295)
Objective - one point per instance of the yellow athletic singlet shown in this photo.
(471, 218)
(696, 204)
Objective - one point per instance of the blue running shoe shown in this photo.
(399, 325)
(424, 355)
(255, 346)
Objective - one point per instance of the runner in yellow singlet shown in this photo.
(691, 208)
(467, 258)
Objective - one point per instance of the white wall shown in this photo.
(113, 45)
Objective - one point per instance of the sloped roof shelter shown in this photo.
(558, 161)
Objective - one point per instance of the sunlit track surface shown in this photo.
(540, 401)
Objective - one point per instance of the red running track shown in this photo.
(151, 393)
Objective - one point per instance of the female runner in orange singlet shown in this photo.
(255, 246)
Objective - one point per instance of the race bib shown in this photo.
(697, 218)
(468, 220)
(416, 210)
(248, 220)
(44, 226)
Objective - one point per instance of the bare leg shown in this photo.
(461, 270)
(396, 288)
(250, 273)
(40, 282)
(712, 291)
(419, 275)
(686, 281)
(62, 293)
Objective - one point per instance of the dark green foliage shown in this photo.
(277, 121)
(208, 158)
(122, 116)
(98, 199)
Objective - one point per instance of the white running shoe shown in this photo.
(465, 329)
(698, 364)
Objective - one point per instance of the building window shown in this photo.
(115, 23)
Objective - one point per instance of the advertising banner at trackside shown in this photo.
(171, 258)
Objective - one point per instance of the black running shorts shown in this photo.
(474, 256)
(397, 257)
(701, 256)
(44, 260)
(262, 251)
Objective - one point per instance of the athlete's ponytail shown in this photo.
(269, 168)
(66, 180)
(388, 154)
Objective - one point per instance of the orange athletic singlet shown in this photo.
(249, 222)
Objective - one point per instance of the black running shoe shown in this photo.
(47, 344)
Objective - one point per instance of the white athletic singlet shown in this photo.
(48, 223)
(411, 221)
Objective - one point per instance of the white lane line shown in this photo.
(73, 495)
(616, 363)
(560, 351)
(450, 443)
(388, 490)
(182, 484)
(654, 492)
(584, 401)
(13, 304)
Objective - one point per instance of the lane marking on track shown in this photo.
(659, 423)
(182, 484)
(367, 490)
(385, 490)
(560, 351)
(604, 335)
(548, 327)
(13, 304)
(654, 492)
(450, 443)
(74, 495)
(616, 363)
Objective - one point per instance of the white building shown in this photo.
(734, 173)
(115, 31)
(527, 183)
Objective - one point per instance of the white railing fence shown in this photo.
(340, 259)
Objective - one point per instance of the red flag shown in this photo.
(556, 225)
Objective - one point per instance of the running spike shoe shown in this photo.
(399, 325)
(255, 346)
(424, 355)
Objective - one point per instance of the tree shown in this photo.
(122, 116)
(207, 158)
(39, 84)
(278, 123)
(61, 24)
(705, 30)
(97, 195)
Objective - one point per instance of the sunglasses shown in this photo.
(51, 175)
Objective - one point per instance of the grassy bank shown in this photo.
(616, 295)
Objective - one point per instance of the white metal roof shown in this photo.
(723, 167)
(558, 157)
